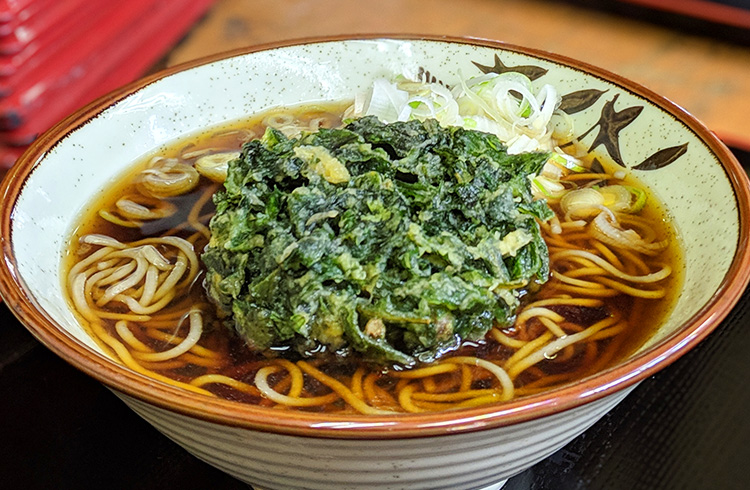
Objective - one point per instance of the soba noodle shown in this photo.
(136, 286)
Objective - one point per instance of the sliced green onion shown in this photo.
(138, 208)
(582, 203)
(550, 188)
(640, 198)
(106, 215)
(167, 177)
(567, 163)
(526, 108)
(215, 166)
(541, 187)
(606, 228)
(616, 197)
(622, 198)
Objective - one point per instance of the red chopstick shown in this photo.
(113, 35)
(121, 62)
(52, 48)
(56, 12)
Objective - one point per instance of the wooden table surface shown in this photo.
(707, 76)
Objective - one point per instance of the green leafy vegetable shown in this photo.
(397, 241)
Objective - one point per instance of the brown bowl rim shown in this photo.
(245, 416)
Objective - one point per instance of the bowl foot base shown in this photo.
(494, 486)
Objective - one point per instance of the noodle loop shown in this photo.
(137, 276)
(167, 177)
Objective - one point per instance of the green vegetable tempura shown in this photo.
(394, 241)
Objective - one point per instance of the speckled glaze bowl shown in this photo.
(695, 176)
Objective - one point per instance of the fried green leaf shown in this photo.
(394, 241)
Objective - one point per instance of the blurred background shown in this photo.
(57, 55)
(686, 430)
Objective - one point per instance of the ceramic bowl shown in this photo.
(693, 174)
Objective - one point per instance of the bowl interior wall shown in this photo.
(694, 187)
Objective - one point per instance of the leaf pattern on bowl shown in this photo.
(662, 158)
(580, 100)
(610, 123)
(424, 75)
(531, 71)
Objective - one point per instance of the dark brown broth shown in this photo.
(238, 362)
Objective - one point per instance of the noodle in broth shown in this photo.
(135, 281)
